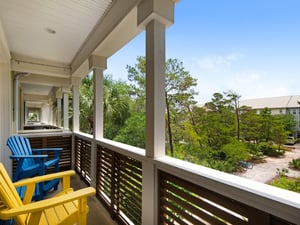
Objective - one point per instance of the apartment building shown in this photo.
(278, 105)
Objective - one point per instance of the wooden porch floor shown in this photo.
(97, 213)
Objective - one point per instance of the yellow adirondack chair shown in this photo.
(66, 208)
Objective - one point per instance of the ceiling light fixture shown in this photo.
(50, 30)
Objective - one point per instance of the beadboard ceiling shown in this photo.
(28, 25)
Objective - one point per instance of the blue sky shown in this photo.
(249, 46)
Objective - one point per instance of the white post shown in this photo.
(155, 89)
(6, 114)
(22, 112)
(58, 100)
(98, 101)
(98, 64)
(154, 15)
(50, 116)
(66, 109)
(76, 81)
(16, 105)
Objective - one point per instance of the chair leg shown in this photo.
(83, 210)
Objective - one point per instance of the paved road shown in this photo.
(264, 172)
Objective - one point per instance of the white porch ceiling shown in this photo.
(25, 24)
(80, 28)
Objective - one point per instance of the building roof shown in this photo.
(273, 102)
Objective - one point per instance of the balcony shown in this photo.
(132, 187)
(136, 186)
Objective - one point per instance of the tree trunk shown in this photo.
(169, 126)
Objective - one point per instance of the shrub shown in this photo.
(292, 184)
(225, 166)
(295, 163)
(270, 150)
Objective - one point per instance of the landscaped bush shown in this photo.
(292, 184)
(269, 149)
(255, 152)
(295, 163)
(222, 165)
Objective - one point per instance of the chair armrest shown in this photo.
(27, 156)
(41, 150)
(47, 203)
(47, 149)
(64, 175)
(30, 183)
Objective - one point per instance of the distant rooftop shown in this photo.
(273, 102)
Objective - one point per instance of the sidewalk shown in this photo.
(264, 172)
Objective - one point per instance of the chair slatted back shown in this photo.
(20, 145)
(8, 194)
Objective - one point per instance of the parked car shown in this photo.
(290, 141)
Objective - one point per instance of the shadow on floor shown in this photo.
(97, 213)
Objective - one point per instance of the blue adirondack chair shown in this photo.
(33, 162)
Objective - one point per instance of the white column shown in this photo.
(98, 101)
(16, 105)
(50, 116)
(59, 111)
(6, 114)
(155, 16)
(155, 89)
(76, 81)
(98, 64)
(22, 112)
(66, 108)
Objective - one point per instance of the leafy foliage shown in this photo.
(292, 184)
(270, 150)
(116, 103)
(218, 135)
(133, 133)
(295, 163)
(86, 104)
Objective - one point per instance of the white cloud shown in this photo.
(257, 85)
(216, 61)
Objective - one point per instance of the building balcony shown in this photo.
(41, 66)
(135, 189)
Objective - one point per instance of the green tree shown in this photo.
(116, 104)
(179, 94)
(249, 124)
(133, 133)
(278, 132)
(265, 124)
(179, 97)
(289, 122)
(86, 104)
(220, 121)
(137, 79)
(233, 99)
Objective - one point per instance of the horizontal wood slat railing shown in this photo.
(186, 193)
(182, 202)
(54, 141)
(119, 185)
(83, 149)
